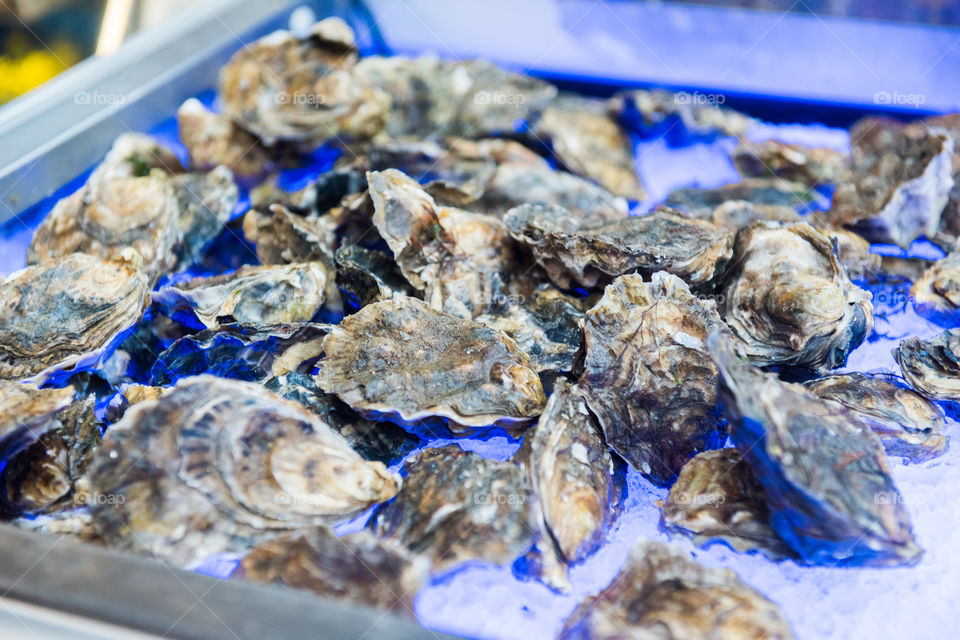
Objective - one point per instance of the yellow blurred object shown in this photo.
(19, 74)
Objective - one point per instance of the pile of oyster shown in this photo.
(183, 378)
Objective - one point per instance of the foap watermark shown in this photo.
(499, 98)
(512, 499)
(895, 98)
(301, 98)
(696, 97)
(99, 98)
(697, 499)
(85, 498)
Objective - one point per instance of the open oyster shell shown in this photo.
(67, 314)
(258, 295)
(716, 498)
(661, 593)
(401, 358)
(932, 366)
(908, 424)
(821, 467)
(212, 464)
(583, 252)
(790, 301)
(647, 375)
(357, 568)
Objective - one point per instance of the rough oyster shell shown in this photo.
(571, 473)
(642, 109)
(790, 301)
(356, 568)
(770, 192)
(590, 142)
(205, 203)
(582, 252)
(716, 498)
(457, 507)
(899, 182)
(647, 375)
(271, 294)
(211, 464)
(937, 290)
(822, 468)
(67, 313)
(809, 166)
(400, 357)
(213, 139)
(908, 424)
(365, 276)
(661, 593)
(285, 237)
(932, 366)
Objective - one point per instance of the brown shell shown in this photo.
(932, 366)
(657, 106)
(212, 139)
(794, 162)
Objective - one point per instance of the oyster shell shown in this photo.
(790, 301)
(272, 294)
(285, 237)
(932, 366)
(769, 192)
(737, 214)
(908, 424)
(571, 472)
(205, 203)
(661, 593)
(213, 139)
(67, 314)
(716, 498)
(647, 376)
(590, 142)
(898, 184)
(642, 109)
(373, 440)
(457, 507)
(580, 252)
(821, 467)
(356, 568)
(365, 276)
(243, 352)
(212, 464)
(400, 357)
(285, 88)
(794, 162)
(937, 290)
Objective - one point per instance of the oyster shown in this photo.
(737, 214)
(285, 88)
(457, 507)
(642, 109)
(790, 301)
(647, 375)
(661, 593)
(76, 524)
(932, 366)
(590, 142)
(716, 498)
(285, 237)
(365, 276)
(205, 203)
(213, 139)
(400, 357)
(243, 352)
(769, 192)
(373, 440)
(908, 424)
(937, 290)
(356, 568)
(571, 473)
(821, 467)
(67, 314)
(898, 184)
(772, 158)
(210, 465)
(272, 294)
(577, 252)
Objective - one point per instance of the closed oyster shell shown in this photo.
(582, 252)
(590, 142)
(768, 192)
(932, 366)
(243, 352)
(457, 507)
(400, 357)
(661, 593)
(794, 162)
(365, 276)
(284, 237)
(357, 568)
(647, 375)
(67, 313)
(214, 139)
(205, 203)
(258, 295)
(716, 498)
(899, 181)
(641, 109)
(937, 290)
(571, 472)
(821, 467)
(212, 464)
(908, 424)
(790, 301)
